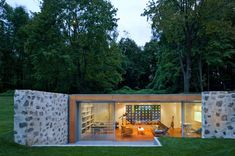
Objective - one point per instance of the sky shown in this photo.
(130, 23)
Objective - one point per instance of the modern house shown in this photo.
(42, 118)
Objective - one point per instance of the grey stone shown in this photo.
(15, 106)
(24, 112)
(219, 103)
(205, 110)
(221, 96)
(36, 133)
(29, 118)
(224, 118)
(26, 103)
(30, 130)
(231, 104)
(230, 127)
(207, 132)
(219, 117)
(31, 127)
(233, 119)
(22, 125)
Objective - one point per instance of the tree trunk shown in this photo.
(186, 84)
(187, 75)
(200, 73)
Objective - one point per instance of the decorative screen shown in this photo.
(143, 113)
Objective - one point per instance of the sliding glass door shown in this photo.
(192, 120)
(96, 121)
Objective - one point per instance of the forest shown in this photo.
(73, 47)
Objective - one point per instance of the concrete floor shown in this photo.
(154, 143)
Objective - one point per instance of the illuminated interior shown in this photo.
(138, 121)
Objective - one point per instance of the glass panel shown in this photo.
(193, 120)
(96, 121)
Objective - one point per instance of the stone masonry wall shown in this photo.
(218, 115)
(40, 118)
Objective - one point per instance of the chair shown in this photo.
(126, 131)
(161, 130)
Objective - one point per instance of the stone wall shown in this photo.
(40, 118)
(218, 115)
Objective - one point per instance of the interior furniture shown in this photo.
(126, 131)
(87, 117)
(140, 130)
(187, 128)
(160, 129)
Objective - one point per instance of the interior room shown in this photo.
(96, 121)
(137, 121)
(143, 121)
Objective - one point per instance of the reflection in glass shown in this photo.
(193, 120)
(96, 121)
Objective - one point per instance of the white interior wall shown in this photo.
(168, 110)
(103, 112)
(190, 109)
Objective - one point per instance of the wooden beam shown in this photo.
(72, 120)
(138, 98)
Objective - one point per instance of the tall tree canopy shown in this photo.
(72, 47)
(67, 47)
(12, 38)
(189, 28)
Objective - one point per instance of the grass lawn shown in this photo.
(171, 146)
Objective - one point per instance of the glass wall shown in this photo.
(192, 120)
(96, 121)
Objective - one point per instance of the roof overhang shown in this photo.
(136, 97)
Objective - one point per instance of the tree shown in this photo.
(50, 66)
(71, 44)
(167, 78)
(12, 39)
(134, 64)
(19, 20)
(186, 25)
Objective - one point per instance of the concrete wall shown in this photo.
(40, 118)
(218, 115)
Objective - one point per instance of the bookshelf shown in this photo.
(87, 117)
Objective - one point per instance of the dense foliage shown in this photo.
(196, 37)
(72, 47)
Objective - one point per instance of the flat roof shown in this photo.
(136, 97)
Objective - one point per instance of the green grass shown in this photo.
(171, 146)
